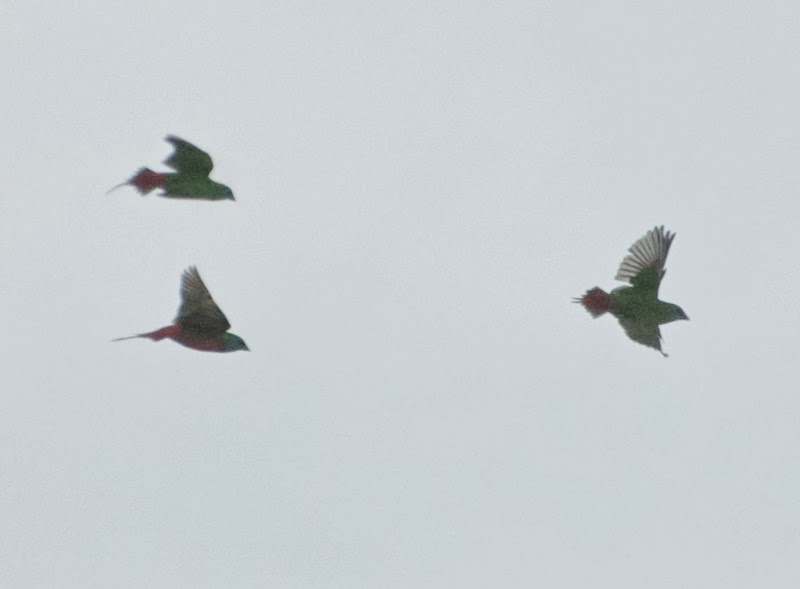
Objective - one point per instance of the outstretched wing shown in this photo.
(198, 310)
(188, 159)
(644, 266)
(647, 334)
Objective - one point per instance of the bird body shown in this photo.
(637, 307)
(200, 323)
(627, 303)
(187, 186)
(190, 180)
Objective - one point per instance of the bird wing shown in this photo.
(647, 334)
(188, 159)
(198, 310)
(644, 266)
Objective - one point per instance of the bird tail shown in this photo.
(596, 301)
(157, 335)
(119, 339)
(144, 180)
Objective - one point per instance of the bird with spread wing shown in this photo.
(200, 324)
(637, 306)
(192, 166)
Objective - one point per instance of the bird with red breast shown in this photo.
(200, 323)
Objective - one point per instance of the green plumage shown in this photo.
(637, 306)
(193, 165)
(190, 180)
(190, 186)
(630, 302)
(232, 342)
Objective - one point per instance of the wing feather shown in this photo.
(647, 334)
(188, 159)
(643, 267)
(198, 310)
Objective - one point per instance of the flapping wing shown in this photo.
(647, 334)
(644, 266)
(198, 310)
(188, 159)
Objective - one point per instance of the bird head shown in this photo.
(220, 191)
(227, 193)
(678, 314)
(234, 343)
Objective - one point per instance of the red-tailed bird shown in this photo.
(637, 306)
(200, 323)
(192, 166)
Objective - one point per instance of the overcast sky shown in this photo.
(421, 189)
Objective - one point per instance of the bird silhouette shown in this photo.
(200, 323)
(637, 307)
(192, 166)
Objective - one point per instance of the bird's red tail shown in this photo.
(145, 180)
(157, 335)
(596, 301)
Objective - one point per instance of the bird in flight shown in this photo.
(192, 166)
(637, 307)
(200, 324)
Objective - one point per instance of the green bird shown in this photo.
(200, 323)
(637, 306)
(192, 166)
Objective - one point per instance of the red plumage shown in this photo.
(200, 324)
(170, 331)
(146, 180)
(596, 301)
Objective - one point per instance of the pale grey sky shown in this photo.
(421, 190)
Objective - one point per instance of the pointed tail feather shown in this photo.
(110, 190)
(157, 335)
(119, 339)
(596, 301)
